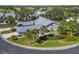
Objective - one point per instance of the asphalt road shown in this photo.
(7, 48)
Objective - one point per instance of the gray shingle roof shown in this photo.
(43, 21)
(38, 23)
(26, 23)
(7, 14)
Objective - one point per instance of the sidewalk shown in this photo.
(9, 34)
(4, 29)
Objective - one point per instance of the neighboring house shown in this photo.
(2, 15)
(7, 14)
(69, 19)
(41, 21)
(2, 25)
(37, 13)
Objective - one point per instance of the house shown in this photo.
(41, 21)
(3, 24)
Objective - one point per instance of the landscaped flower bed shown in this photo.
(8, 31)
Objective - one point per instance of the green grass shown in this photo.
(49, 43)
(54, 43)
(77, 40)
(22, 40)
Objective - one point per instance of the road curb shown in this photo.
(36, 48)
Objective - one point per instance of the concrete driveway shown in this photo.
(7, 48)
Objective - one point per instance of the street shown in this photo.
(7, 48)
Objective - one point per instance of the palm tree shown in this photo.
(43, 29)
(29, 37)
(63, 29)
(68, 27)
(10, 21)
(28, 33)
(35, 33)
(55, 14)
(24, 13)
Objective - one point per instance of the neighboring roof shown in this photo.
(40, 12)
(43, 21)
(7, 14)
(78, 20)
(37, 13)
(36, 24)
(69, 19)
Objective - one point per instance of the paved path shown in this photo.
(5, 29)
(9, 34)
(7, 48)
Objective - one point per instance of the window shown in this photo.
(19, 25)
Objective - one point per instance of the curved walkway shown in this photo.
(5, 29)
(7, 48)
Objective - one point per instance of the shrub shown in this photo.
(60, 36)
(4, 32)
(41, 39)
(55, 37)
(13, 29)
(70, 37)
(8, 31)
(13, 37)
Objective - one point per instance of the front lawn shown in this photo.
(55, 41)
(22, 40)
(52, 41)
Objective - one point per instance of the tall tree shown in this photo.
(43, 29)
(10, 21)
